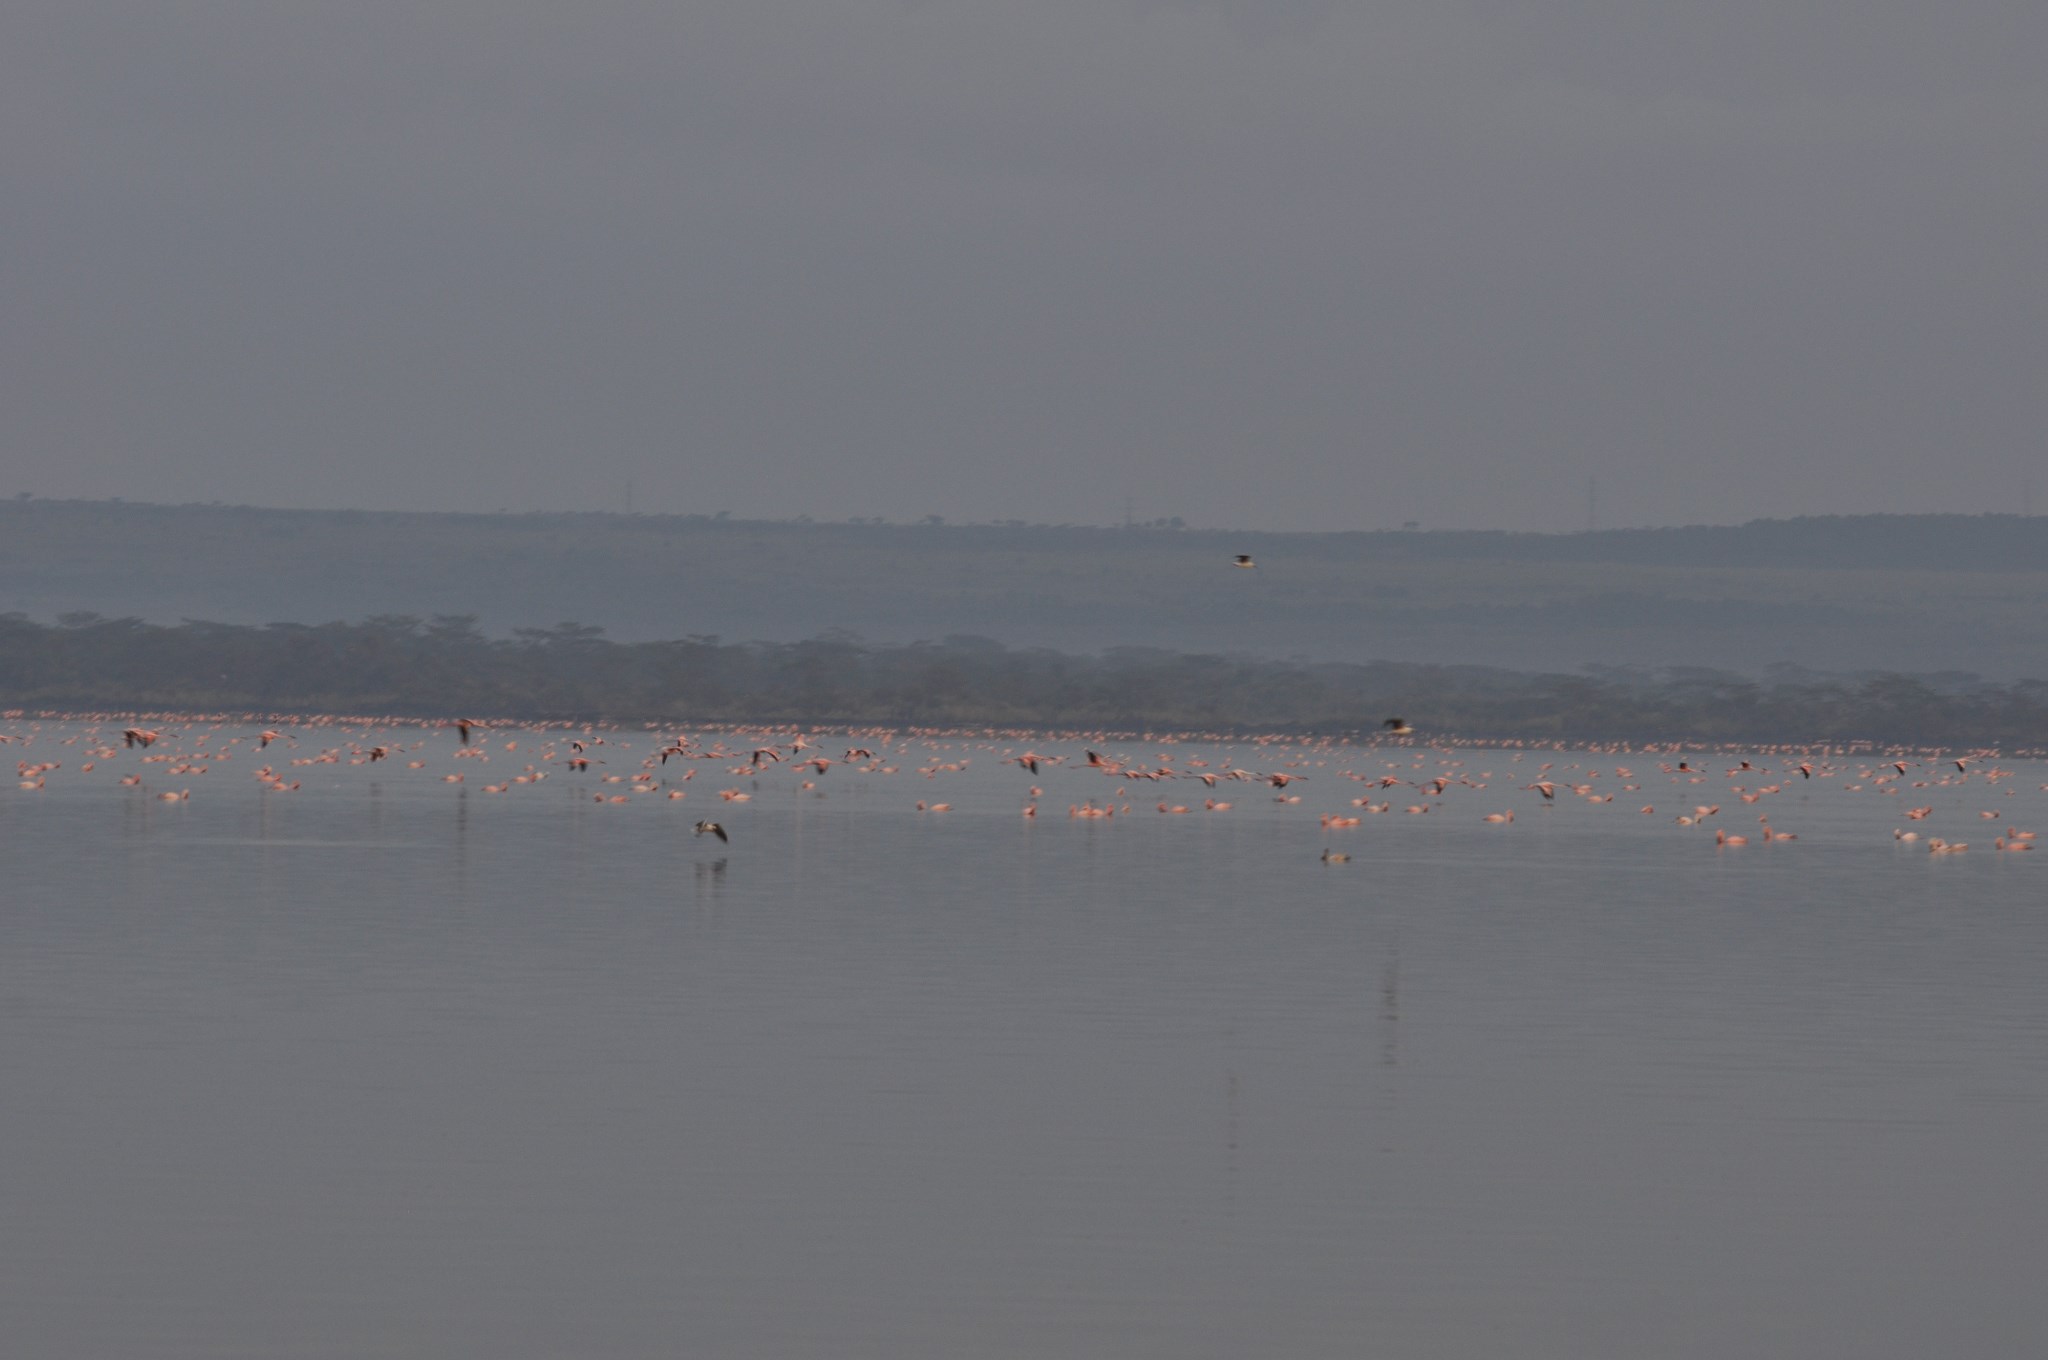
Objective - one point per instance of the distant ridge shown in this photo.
(1987, 542)
(1943, 542)
(1912, 592)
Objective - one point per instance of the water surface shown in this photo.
(392, 1066)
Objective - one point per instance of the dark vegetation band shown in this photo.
(406, 666)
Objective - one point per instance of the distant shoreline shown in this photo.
(1348, 741)
(410, 669)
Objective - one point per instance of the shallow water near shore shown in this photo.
(388, 1065)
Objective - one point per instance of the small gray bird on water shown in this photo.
(713, 828)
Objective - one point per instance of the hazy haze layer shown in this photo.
(1283, 264)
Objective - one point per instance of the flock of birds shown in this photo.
(198, 745)
(1341, 783)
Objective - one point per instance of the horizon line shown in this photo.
(1164, 524)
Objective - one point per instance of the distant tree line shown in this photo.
(443, 666)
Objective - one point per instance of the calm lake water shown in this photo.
(388, 1066)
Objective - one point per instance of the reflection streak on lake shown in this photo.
(389, 1066)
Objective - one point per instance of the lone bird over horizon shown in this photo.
(1244, 560)
(1397, 726)
(714, 829)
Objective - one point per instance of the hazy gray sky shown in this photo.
(1261, 263)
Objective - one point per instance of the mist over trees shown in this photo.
(443, 666)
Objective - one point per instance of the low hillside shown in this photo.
(1926, 593)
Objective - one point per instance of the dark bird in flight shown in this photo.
(1244, 560)
(714, 829)
(1398, 726)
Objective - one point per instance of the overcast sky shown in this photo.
(1257, 263)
